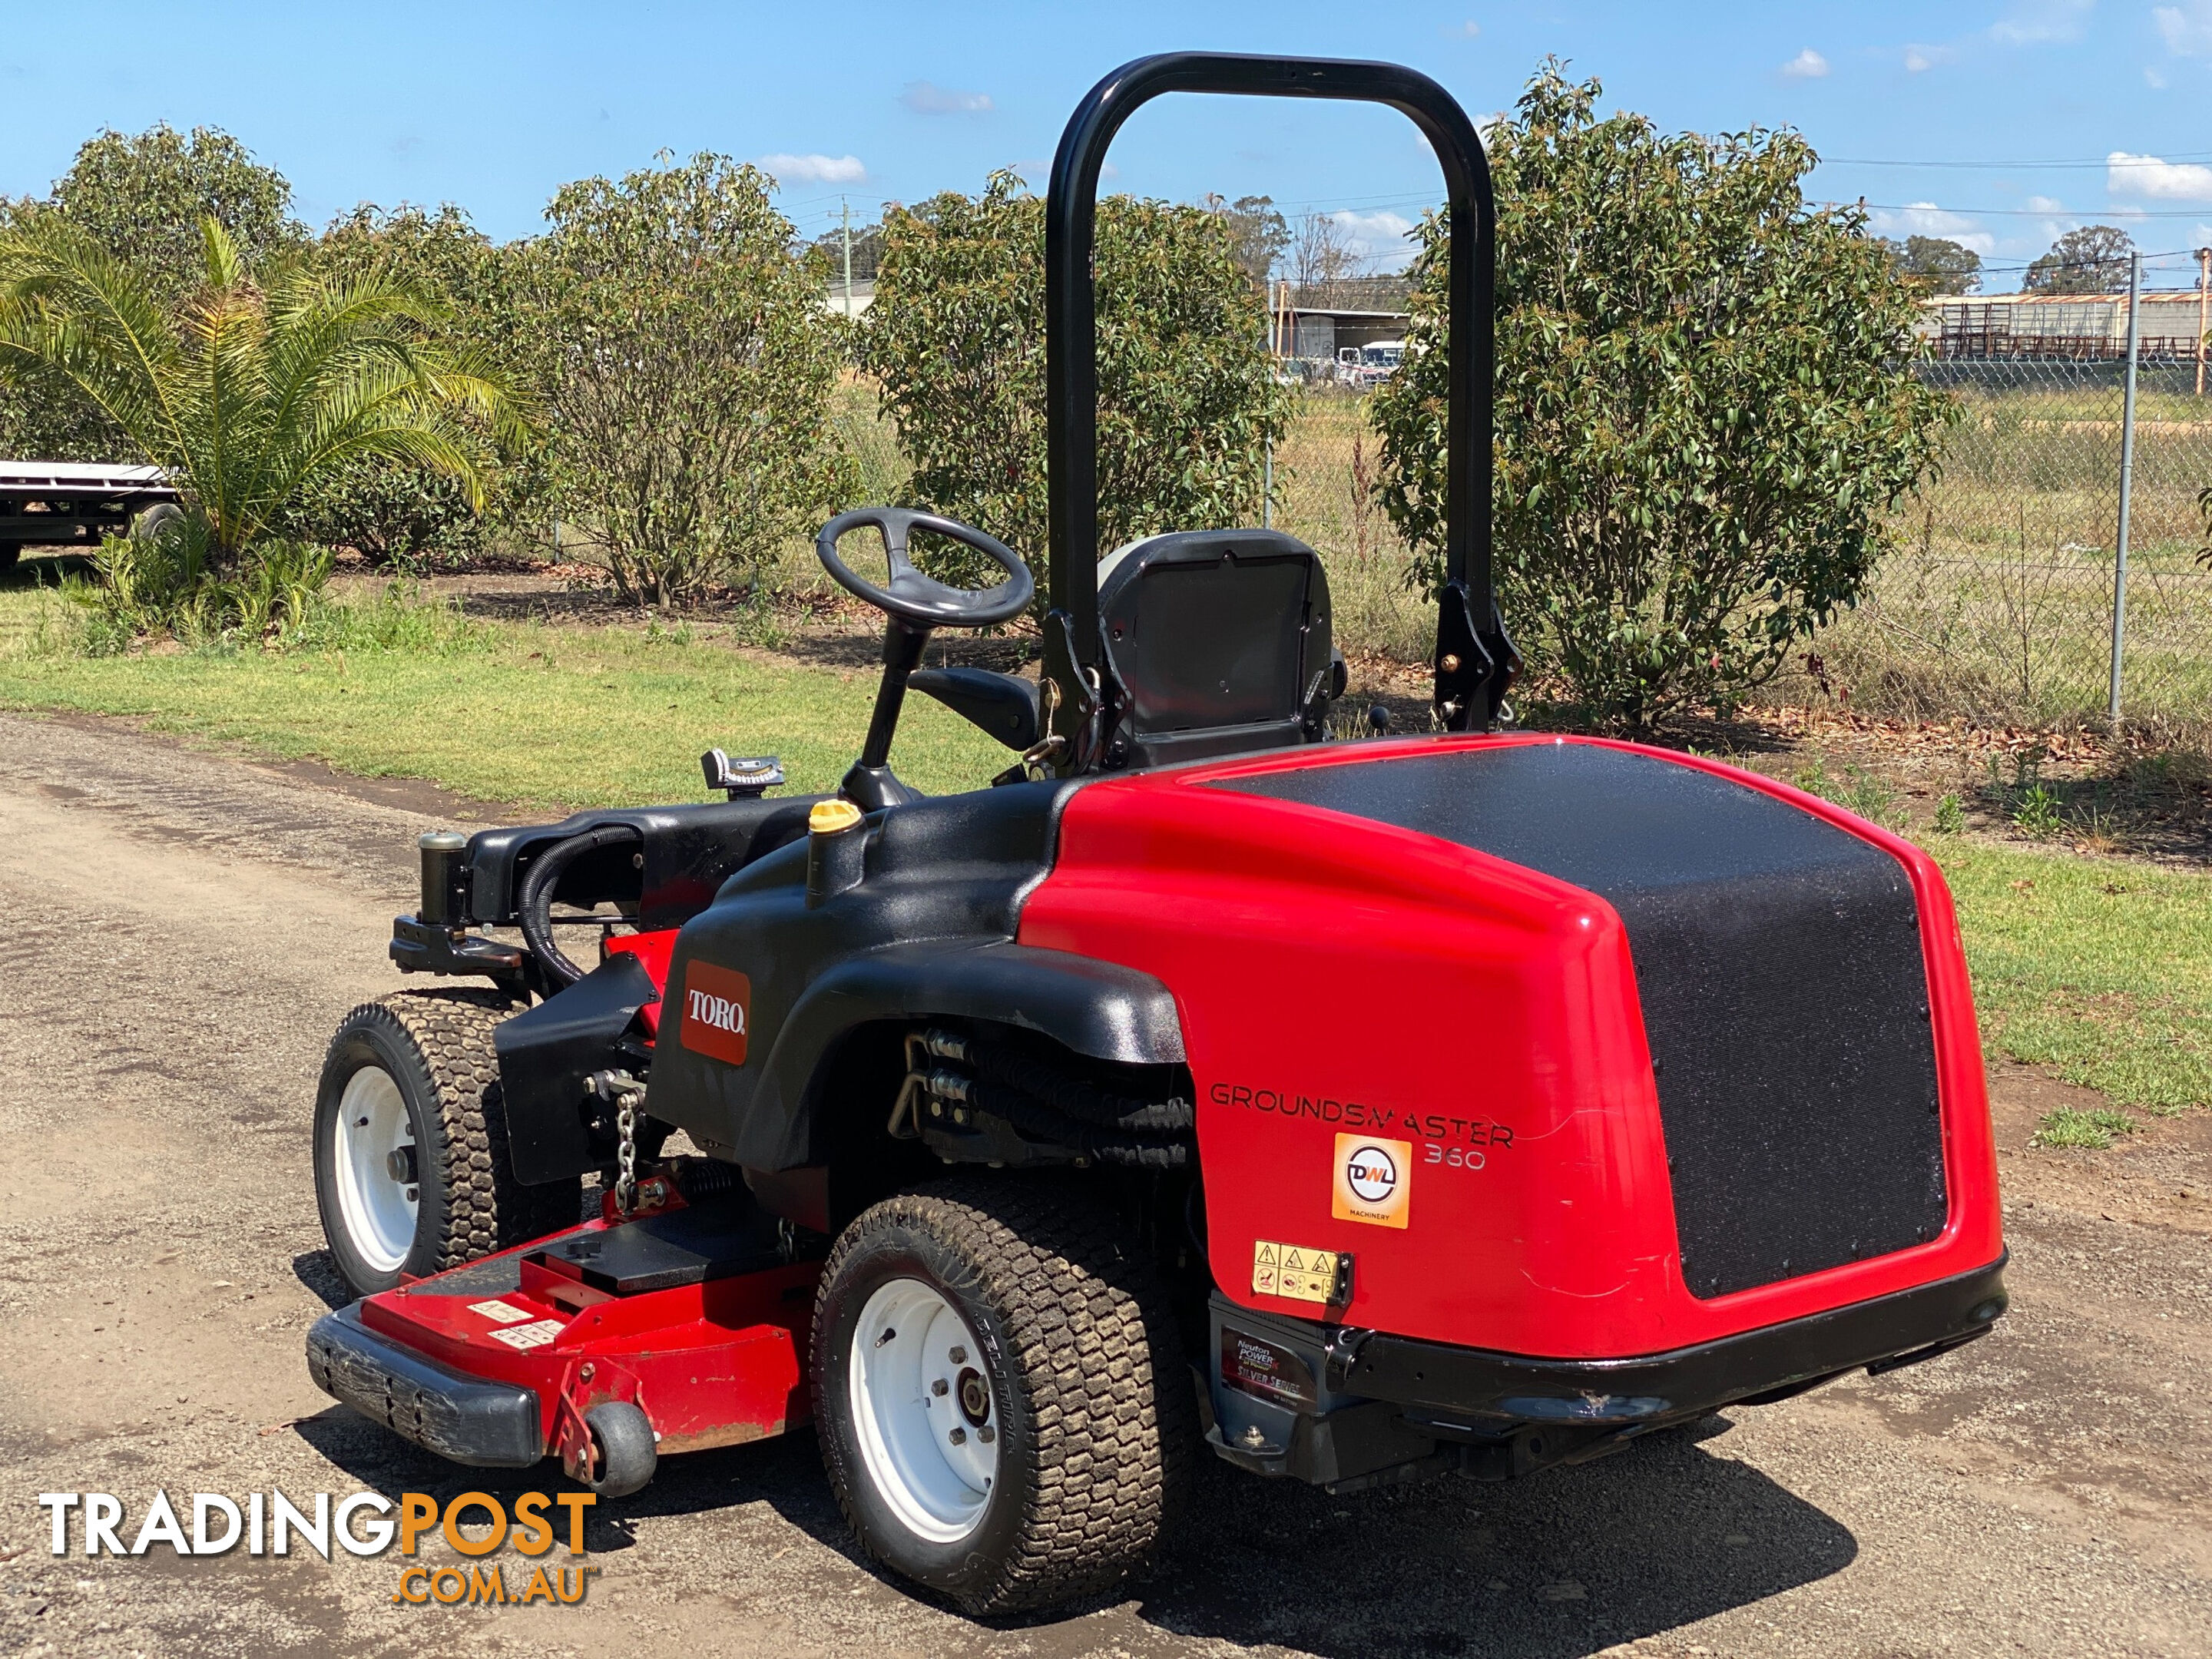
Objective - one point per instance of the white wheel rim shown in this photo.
(931, 1455)
(377, 1206)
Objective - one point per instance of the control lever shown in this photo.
(746, 778)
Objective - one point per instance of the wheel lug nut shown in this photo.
(959, 1356)
(987, 1434)
(959, 1436)
(941, 1387)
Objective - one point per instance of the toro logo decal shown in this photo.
(1374, 1179)
(717, 1007)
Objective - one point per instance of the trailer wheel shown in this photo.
(1000, 1401)
(411, 1169)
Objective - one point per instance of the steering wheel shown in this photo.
(921, 601)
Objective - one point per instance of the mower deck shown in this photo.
(693, 1316)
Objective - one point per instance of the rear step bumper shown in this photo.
(1770, 1363)
(1345, 1408)
(465, 1419)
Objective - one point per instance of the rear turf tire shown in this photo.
(1088, 1403)
(419, 1067)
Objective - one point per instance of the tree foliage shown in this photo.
(1934, 265)
(142, 199)
(243, 394)
(1257, 233)
(1705, 405)
(1187, 397)
(394, 512)
(2086, 259)
(682, 354)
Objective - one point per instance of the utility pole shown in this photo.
(2203, 292)
(847, 207)
(2127, 487)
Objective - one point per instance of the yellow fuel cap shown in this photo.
(828, 817)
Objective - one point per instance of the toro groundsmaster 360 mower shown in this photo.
(1358, 1110)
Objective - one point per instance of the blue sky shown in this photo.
(2021, 118)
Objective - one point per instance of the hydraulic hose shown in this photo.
(534, 905)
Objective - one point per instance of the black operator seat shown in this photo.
(1221, 640)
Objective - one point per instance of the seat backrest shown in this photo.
(1220, 640)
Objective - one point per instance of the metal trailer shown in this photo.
(73, 503)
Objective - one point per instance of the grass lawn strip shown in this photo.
(542, 715)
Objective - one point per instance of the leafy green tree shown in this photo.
(1706, 408)
(1187, 396)
(2086, 259)
(1257, 233)
(1934, 265)
(395, 512)
(828, 249)
(683, 355)
(245, 394)
(142, 199)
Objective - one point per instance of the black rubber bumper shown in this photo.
(465, 1419)
(1768, 1364)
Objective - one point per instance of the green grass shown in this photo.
(2094, 1129)
(539, 714)
(2099, 969)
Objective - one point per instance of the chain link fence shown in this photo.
(1999, 606)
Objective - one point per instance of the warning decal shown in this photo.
(530, 1336)
(498, 1312)
(1300, 1274)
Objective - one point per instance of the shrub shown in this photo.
(167, 583)
(1705, 405)
(1187, 396)
(682, 352)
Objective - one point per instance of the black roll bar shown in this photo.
(1472, 654)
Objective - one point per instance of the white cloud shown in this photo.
(1917, 61)
(2044, 22)
(2154, 79)
(1380, 235)
(814, 169)
(927, 98)
(2044, 204)
(2149, 177)
(1467, 31)
(1926, 219)
(2187, 29)
(1807, 65)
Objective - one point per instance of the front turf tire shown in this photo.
(1088, 1398)
(417, 1071)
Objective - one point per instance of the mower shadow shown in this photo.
(1562, 1565)
(1559, 1566)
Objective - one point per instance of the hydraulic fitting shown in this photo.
(836, 845)
(445, 904)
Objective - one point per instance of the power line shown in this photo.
(2133, 161)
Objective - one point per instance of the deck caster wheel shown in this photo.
(411, 1169)
(1001, 1407)
(624, 1450)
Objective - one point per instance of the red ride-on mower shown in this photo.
(1473, 1101)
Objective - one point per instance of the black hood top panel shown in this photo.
(1778, 963)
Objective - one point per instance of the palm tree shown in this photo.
(244, 395)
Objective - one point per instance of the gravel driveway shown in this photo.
(183, 929)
